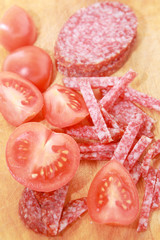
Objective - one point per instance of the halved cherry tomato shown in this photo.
(63, 107)
(20, 100)
(40, 159)
(31, 63)
(16, 29)
(113, 197)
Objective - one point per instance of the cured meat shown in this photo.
(142, 99)
(109, 119)
(137, 151)
(156, 195)
(73, 210)
(52, 204)
(97, 156)
(152, 152)
(30, 212)
(124, 110)
(95, 113)
(128, 139)
(105, 70)
(135, 172)
(147, 200)
(95, 82)
(97, 147)
(104, 33)
(42, 211)
(112, 95)
(90, 132)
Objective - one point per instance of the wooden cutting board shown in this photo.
(49, 16)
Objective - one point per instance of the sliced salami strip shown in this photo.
(142, 99)
(147, 200)
(30, 212)
(95, 82)
(73, 210)
(152, 152)
(136, 172)
(87, 48)
(52, 204)
(97, 156)
(89, 132)
(124, 110)
(128, 139)
(42, 211)
(110, 98)
(137, 151)
(109, 119)
(156, 195)
(97, 147)
(95, 113)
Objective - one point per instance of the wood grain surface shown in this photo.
(49, 16)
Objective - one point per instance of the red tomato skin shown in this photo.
(10, 111)
(42, 134)
(17, 29)
(31, 63)
(103, 218)
(58, 114)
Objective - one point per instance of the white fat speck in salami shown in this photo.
(95, 36)
(156, 195)
(72, 211)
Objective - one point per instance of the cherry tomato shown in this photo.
(113, 197)
(16, 29)
(31, 63)
(20, 100)
(63, 107)
(40, 159)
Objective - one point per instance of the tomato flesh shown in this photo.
(41, 159)
(31, 63)
(63, 107)
(113, 197)
(16, 29)
(20, 100)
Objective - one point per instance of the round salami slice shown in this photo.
(105, 70)
(94, 37)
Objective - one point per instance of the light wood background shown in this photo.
(49, 16)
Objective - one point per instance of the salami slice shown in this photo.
(51, 206)
(90, 132)
(30, 212)
(97, 147)
(135, 172)
(73, 210)
(152, 152)
(142, 99)
(97, 156)
(103, 33)
(110, 98)
(156, 195)
(137, 151)
(128, 139)
(95, 82)
(147, 200)
(105, 70)
(41, 212)
(124, 110)
(95, 113)
(109, 119)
